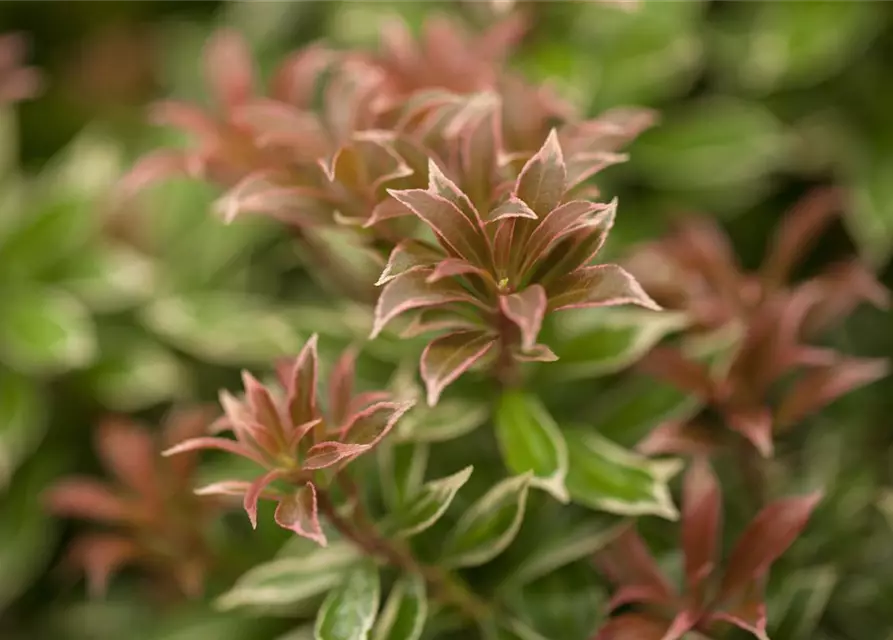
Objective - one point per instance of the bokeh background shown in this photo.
(127, 308)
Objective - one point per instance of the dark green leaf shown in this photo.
(428, 505)
(349, 610)
(404, 613)
(23, 418)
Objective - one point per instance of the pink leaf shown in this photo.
(669, 364)
(181, 424)
(151, 168)
(681, 625)
(768, 536)
(256, 193)
(627, 562)
(326, 454)
(526, 309)
(536, 353)
(341, 386)
(254, 492)
(229, 68)
(514, 207)
(369, 426)
(603, 285)
(563, 221)
(454, 230)
(131, 454)
(440, 185)
(452, 267)
(705, 249)
(302, 381)
(408, 255)
(680, 438)
(298, 512)
(238, 418)
(273, 123)
(755, 424)
(439, 319)
(387, 210)
(448, 357)
(86, 498)
(295, 79)
(101, 555)
(632, 626)
(411, 290)
(701, 522)
(582, 166)
(749, 614)
(187, 117)
(227, 488)
(263, 407)
(220, 444)
(819, 388)
(543, 180)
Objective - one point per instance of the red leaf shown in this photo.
(341, 386)
(452, 267)
(187, 117)
(680, 438)
(701, 522)
(130, 453)
(181, 424)
(411, 290)
(798, 230)
(408, 255)
(820, 387)
(229, 68)
(603, 285)
(755, 424)
(368, 426)
(481, 143)
(296, 78)
(101, 555)
(440, 185)
(326, 454)
(448, 357)
(705, 249)
(254, 492)
(257, 193)
(151, 168)
(768, 536)
(439, 319)
(220, 444)
(263, 407)
(276, 124)
(669, 364)
(87, 498)
(454, 230)
(526, 309)
(298, 512)
(582, 166)
(514, 207)
(386, 210)
(239, 419)
(563, 221)
(543, 180)
(627, 562)
(749, 614)
(301, 388)
(632, 626)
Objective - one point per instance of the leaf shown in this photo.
(595, 343)
(869, 216)
(223, 327)
(402, 470)
(543, 180)
(292, 580)
(134, 372)
(801, 601)
(716, 142)
(530, 441)
(607, 477)
(599, 286)
(427, 506)
(448, 357)
(489, 525)
(23, 422)
(349, 610)
(110, 277)
(526, 309)
(449, 419)
(404, 613)
(45, 331)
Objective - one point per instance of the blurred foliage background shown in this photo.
(105, 308)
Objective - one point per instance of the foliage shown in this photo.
(499, 386)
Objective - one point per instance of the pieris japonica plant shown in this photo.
(454, 206)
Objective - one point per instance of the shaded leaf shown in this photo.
(426, 507)
(599, 286)
(23, 421)
(349, 610)
(405, 611)
(448, 357)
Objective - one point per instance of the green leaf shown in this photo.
(562, 547)
(109, 277)
(45, 331)
(597, 342)
(449, 419)
(510, 629)
(870, 216)
(23, 421)
(223, 327)
(426, 507)
(789, 45)
(87, 168)
(134, 372)
(27, 534)
(715, 142)
(404, 613)
(800, 602)
(402, 468)
(349, 611)
(607, 477)
(304, 632)
(292, 580)
(489, 525)
(530, 440)
(50, 232)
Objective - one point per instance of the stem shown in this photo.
(448, 587)
(506, 368)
